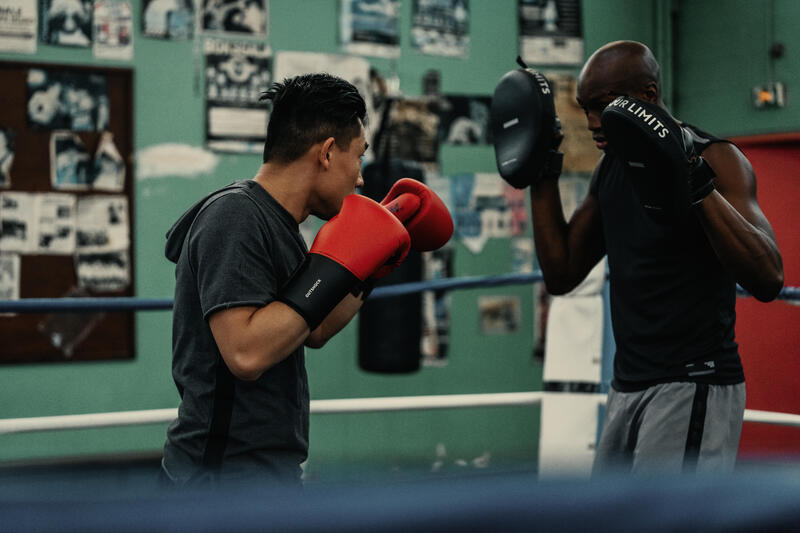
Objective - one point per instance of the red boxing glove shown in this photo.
(347, 250)
(422, 212)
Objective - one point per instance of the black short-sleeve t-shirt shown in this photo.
(238, 249)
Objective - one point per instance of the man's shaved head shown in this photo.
(624, 67)
(616, 69)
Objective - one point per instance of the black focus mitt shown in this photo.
(664, 169)
(525, 128)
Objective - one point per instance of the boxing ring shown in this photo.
(749, 500)
(332, 406)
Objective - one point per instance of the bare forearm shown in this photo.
(566, 251)
(341, 315)
(252, 340)
(549, 230)
(749, 252)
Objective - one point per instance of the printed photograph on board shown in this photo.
(66, 22)
(67, 100)
(370, 27)
(7, 149)
(237, 73)
(70, 163)
(464, 120)
(239, 17)
(440, 27)
(168, 19)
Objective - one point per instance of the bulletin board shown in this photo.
(92, 109)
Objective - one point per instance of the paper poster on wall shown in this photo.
(168, 19)
(440, 27)
(7, 150)
(67, 100)
(435, 340)
(9, 278)
(580, 152)
(515, 198)
(102, 261)
(573, 189)
(550, 32)
(66, 22)
(411, 132)
(464, 120)
(237, 73)
(103, 271)
(480, 210)
(499, 315)
(370, 27)
(108, 168)
(37, 223)
(70, 163)
(17, 222)
(55, 223)
(522, 254)
(439, 184)
(113, 30)
(236, 17)
(102, 223)
(19, 21)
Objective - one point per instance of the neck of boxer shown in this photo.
(289, 184)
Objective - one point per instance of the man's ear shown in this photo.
(324, 153)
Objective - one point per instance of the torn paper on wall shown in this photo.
(480, 210)
(108, 167)
(7, 151)
(9, 278)
(70, 164)
(17, 222)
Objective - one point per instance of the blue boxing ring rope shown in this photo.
(350, 405)
(133, 303)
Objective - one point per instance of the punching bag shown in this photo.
(390, 329)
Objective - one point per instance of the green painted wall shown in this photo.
(169, 108)
(723, 50)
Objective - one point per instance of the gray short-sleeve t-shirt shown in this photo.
(238, 249)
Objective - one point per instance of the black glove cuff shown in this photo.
(316, 287)
(701, 181)
(363, 288)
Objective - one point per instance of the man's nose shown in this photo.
(593, 121)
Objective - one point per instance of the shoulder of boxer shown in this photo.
(733, 170)
(223, 206)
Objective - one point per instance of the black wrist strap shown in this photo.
(701, 182)
(552, 166)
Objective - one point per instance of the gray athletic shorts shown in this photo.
(671, 428)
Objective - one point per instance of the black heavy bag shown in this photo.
(390, 329)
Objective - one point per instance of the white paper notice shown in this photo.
(18, 22)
